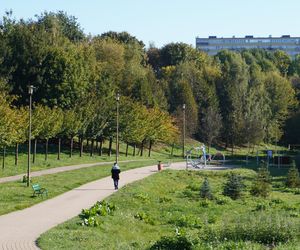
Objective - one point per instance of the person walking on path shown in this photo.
(115, 174)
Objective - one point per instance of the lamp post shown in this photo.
(30, 92)
(117, 136)
(183, 131)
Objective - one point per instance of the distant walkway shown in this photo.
(58, 170)
(19, 230)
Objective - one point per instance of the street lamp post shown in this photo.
(30, 92)
(117, 136)
(183, 132)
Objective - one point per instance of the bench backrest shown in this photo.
(36, 187)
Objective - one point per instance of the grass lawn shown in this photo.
(16, 196)
(158, 153)
(168, 205)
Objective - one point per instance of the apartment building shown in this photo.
(212, 45)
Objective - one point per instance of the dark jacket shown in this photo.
(115, 173)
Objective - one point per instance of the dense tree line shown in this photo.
(232, 98)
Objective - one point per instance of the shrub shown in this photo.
(293, 179)
(205, 191)
(222, 200)
(234, 186)
(204, 203)
(193, 187)
(89, 216)
(174, 243)
(261, 206)
(144, 217)
(187, 221)
(188, 193)
(262, 184)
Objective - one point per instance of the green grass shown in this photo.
(16, 196)
(168, 201)
(159, 153)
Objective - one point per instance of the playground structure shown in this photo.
(197, 158)
(272, 158)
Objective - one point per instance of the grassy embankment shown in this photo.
(168, 204)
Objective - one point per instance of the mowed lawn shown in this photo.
(165, 209)
(16, 195)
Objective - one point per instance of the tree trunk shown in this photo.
(126, 149)
(81, 146)
(87, 143)
(150, 147)
(17, 154)
(59, 145)
(3, 158)
(172, 150)
(110, 145)
(100, 147)
(134, 148)
(34, 150)
(46, 149)
(92, 147)
(97, 145)
(142, 148)
(71, 146)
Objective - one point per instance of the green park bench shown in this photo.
(37, 190)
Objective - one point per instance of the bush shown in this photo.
(204, 203)
(261, 206)
(205, 191)
(222, 200)
(293, 179)
(144, 217)
(174, 243)
(90, 216)
(187, 221)
(262, 184)
(234, 186)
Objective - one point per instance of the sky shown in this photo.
(160, 22)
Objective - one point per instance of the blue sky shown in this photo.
(165, 21)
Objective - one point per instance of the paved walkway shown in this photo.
(20, 230)
(58, 170)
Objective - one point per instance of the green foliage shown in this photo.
(263, 229)
(293, 179)
(187, 221)
(205, 203)
(205, 190)
(262, 183)
(235, 98)
(222, 200)
(142, 197)
(144, 217)
(90, 217)
(165, 199)
(261, 206)
(234, 186)
(175, 242)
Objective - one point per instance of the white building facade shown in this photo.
(212, 45)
